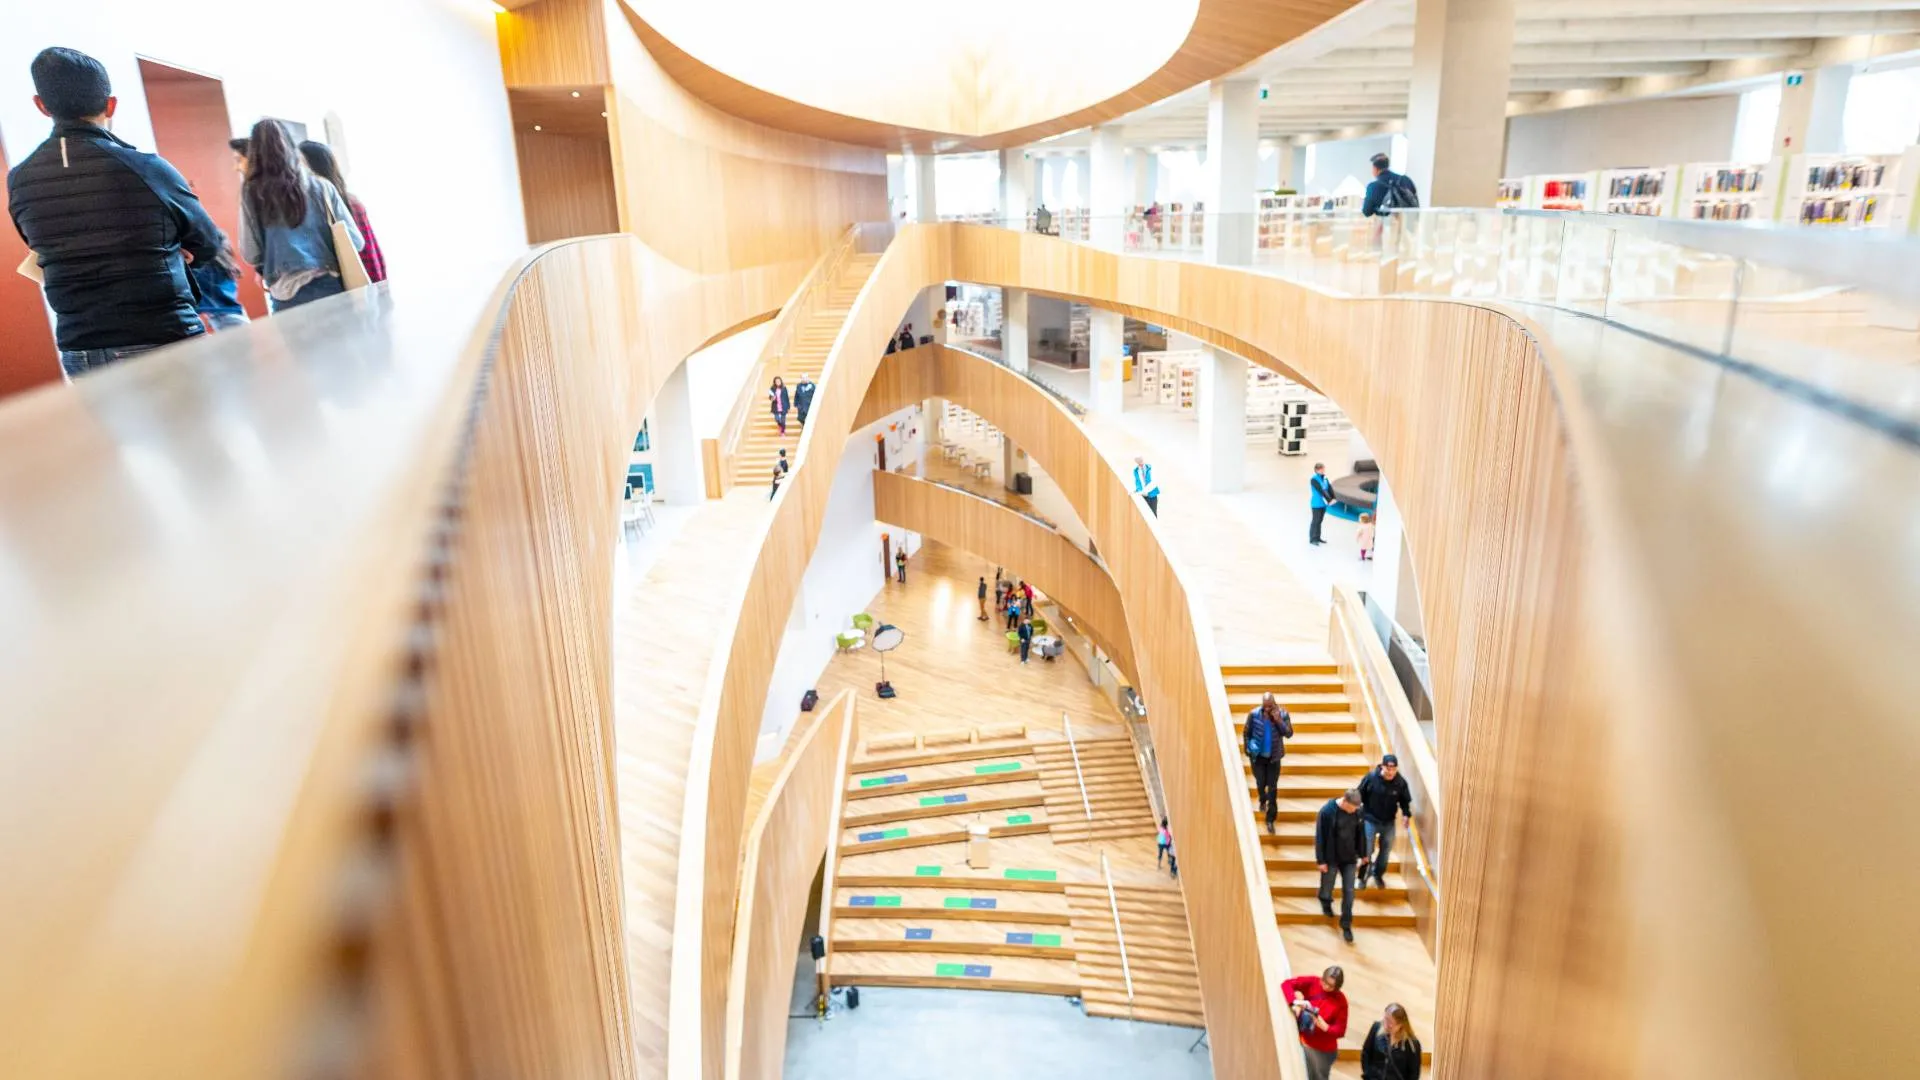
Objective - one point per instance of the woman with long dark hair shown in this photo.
(320, 159)
(777, 395)
(286, 216)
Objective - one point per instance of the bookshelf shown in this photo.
(1568, 192)
(1640, 192)
(1838, 189)
(1513, 192)
(1727, 191)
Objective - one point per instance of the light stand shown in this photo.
(886, 638)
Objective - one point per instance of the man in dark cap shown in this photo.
(1384, 799)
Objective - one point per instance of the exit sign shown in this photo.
(1796, 78)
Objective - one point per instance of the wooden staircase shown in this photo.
(1388, 961)
(1115, 791)
(1153, 921)
(761, 443)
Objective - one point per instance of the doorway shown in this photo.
(190, 129)
(26, 327)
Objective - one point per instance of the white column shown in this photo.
(1108, 186)
(896, 185)
(1813, 111)
(1394, 587)
(1105, 338)
(1014, 337)
(676, 452)
(1016, 187)
(936, 422)
(1013, 461)
(920, 188)
(1141, 164)
(1233, 149)
(1223, 420)
(1086, 180)
(1457, 109)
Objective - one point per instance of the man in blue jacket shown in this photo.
(1322, 498)
(1389, 191)
(1264, 736)
(108, 223)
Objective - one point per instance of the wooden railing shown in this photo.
(793, 831)
(806, 301)
(330, 792)
(1390, 727)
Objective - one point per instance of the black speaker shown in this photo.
(853, 997)
(819, 946)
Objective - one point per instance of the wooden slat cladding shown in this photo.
(1000, 535)
(784, 848)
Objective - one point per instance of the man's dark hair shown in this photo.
(71, 84)
(239, 145)
(1380, 161)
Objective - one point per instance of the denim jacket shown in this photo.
(290, 257)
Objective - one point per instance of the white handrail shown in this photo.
(1067, 722)
(1119, 935)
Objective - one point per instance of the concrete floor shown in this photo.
(979, 1035)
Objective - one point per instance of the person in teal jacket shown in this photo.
(1322, 498)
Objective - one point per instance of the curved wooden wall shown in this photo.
(785, 844)
(1235, 937)
(998, 534)
(328, 789)
(1226, 35)
(708, 190)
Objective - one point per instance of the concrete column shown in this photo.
(1106, 334)
(1394, 587)
(1086, 179)
(936, 422)
(1813, 111)
(1014, 339)
(896, 184)
(1109, 188)
(676, 452)
(1233, 151)
(1457, 110)
(1013, 461)
(1016, 186)
(1223, 420)
(920, 188)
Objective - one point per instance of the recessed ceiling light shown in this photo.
(576, 93)
(603, 114)
(536, 127)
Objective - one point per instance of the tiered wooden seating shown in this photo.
(930, 931)
(1153, 920)
(1387, 962)
(1115, 790)
(760, 446)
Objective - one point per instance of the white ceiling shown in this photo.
(1351, 76)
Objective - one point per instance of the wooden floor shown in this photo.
(909, 910)
(666, 630)
(1387, 962)
(812, 339)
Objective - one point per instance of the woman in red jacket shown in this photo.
(1321, 1010)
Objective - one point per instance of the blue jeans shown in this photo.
(318, 289)
(1385, 833)
(227, 320)
(77, 362)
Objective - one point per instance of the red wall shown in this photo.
(190, 129)
(27, 354)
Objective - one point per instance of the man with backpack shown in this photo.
(1389, 191)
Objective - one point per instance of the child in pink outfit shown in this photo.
(1365, 537)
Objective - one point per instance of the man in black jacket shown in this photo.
(107, 222)
(1389, 191)
(1339, 839)
(803, 397)
(1384, 799)
(1264, 736)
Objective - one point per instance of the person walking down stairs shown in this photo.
(1265, 734)
(1320, 1008)
(781, 401)
(1339, 839)
(1384, 799)
(803, 397)
(1391, 1051)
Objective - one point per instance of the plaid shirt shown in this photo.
(375, 262)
